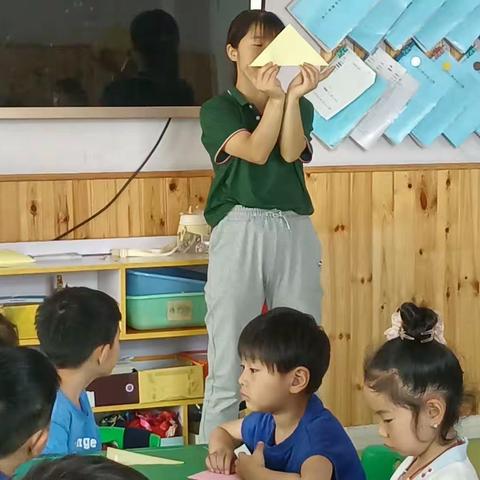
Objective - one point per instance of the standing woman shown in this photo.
(263, 245)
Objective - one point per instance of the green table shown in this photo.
(192, 456)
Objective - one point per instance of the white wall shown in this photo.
(69, 146)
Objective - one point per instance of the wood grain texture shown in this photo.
(388, 236)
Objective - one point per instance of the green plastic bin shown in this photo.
(151, 312)
(114, 435)
(379, 462)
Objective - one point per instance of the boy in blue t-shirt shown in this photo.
(78, 329)
(285, 356)
(28, 386)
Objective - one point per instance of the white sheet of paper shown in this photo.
(289, 48)
(131, 458)
(402, 88)
(349, 79)
(242, 449)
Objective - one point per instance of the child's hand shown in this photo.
(267, 82)
(307, 80)
(249, 466)
(221, 461)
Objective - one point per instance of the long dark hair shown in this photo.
(405, 369)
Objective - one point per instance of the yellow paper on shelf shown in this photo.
(289, 48)
(131, 458)
(10, 258)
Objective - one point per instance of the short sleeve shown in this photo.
(57, 443)
(220, 120)
(307, 112)
(249, 430)
(332, 442)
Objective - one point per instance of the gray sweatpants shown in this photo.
(254, 255)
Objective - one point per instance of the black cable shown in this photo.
(125, 185)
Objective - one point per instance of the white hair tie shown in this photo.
(397, 330)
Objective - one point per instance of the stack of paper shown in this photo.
(445, 19)
(461, 94)
(468, 121)
(411, 21)
(330, 21)
(349, 79)
(373, 28)
(289, 48)
(402, 87)
(463, 36)
(332, 132)
(434, 83)
(9, 258)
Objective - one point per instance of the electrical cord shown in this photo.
(125, 185)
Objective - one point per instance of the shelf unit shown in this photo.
(109, 275)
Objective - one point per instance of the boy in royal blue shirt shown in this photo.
(78, 329)
(28, 386)
(285, 356)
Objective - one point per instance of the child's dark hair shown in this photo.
(8, 332)
(80, 467)
(73, 322)
(28, 388)
(284, 339)
(406, 369)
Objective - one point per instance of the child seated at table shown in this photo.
(28, 387)
(78, 329)
(284, 356)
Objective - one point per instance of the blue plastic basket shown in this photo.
(162, 281)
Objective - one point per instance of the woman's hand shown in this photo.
(267, 82)
(307, 80)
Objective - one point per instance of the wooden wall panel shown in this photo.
(388, 236)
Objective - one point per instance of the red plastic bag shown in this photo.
(162, 423)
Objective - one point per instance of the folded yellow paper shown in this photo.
(9, 258)
(289, 48)
(131, 458)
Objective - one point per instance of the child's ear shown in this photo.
(101, 353)
(37, 442)
(435, 409)
(299, 380)
(232, 53)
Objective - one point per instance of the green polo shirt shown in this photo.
(276, 185)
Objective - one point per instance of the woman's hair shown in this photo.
(415, 363)
(267, 22)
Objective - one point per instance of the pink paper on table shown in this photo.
(213, 476)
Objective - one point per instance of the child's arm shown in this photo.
(292, 135)
(256, 147)
(253, 468)
(223, 441)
